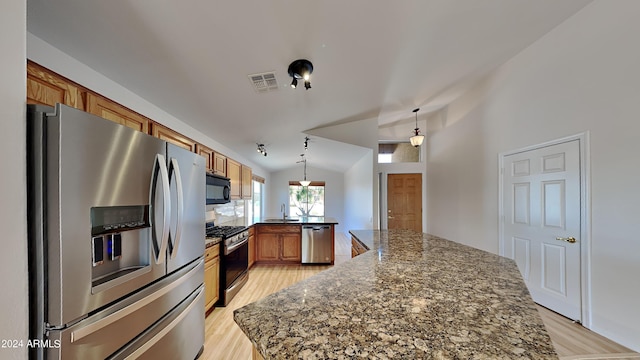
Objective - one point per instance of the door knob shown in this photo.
(569, 239)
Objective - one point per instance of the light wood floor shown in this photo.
(225, 341)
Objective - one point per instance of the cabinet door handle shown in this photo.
(569, 239)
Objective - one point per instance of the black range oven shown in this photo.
(234, 259)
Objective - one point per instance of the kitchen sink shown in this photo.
(277, 220)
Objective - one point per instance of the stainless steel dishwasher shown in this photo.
(317, 244)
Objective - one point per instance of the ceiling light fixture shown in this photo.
(416, 139)
(261, 149)
(306, 143)
(301, 69)
(304, 182)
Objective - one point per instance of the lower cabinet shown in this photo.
(356, 247)
(211, 276)
(252, 246)
(279, 244)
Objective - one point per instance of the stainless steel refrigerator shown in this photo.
(116, 240)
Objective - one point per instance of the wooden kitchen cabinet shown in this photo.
(117, 113)
(48, 88)
(166, 134)
(279, 244)
(219, 164)
(207, 154)
(357, 248)
(291, 247)
(268, 247)
(211, 276)
(252, 246)
(234, 169)
(245, 186)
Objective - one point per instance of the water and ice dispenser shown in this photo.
(119, 241)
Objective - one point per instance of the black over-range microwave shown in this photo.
(218, 189)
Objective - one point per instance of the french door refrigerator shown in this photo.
(116, 240)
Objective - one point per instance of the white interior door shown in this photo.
(541, 225)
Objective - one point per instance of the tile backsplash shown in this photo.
(229, 214)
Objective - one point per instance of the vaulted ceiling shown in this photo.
(374, 60)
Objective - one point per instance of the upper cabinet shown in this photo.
(47, 88)
(240, 176)
(207, 154)
(117, 113)
(246, 192)
(219, 164)
(234, 173)
(173, 137)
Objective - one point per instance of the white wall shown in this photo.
(358, 184)
(582, 76)
(363, 133)
(13, 199)
(278, 189)
(63, 64)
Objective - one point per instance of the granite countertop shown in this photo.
(303, 220)
(412, 296)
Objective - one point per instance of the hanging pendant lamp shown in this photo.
(416, 139)
(304, 182)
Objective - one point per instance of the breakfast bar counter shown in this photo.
(412, 295)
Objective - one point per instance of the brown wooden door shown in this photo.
(404, 201)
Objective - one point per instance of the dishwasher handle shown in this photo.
(316, 228)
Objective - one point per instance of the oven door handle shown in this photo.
(229, 250)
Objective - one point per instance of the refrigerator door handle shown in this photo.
(174, 172)
(160, 168)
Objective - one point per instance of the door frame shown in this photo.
(585, 212)
(382, 197)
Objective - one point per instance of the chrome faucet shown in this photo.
(283, 208)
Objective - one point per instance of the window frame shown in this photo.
(291, 206)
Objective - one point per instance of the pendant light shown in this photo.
(416, 139)
(304, 182)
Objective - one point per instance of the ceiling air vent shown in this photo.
(264, 82)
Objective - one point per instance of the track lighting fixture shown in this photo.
(261, 149)
(301, 69)
(416, 139)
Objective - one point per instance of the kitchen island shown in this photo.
(303, 220)
(412, 295)
(280, 240)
